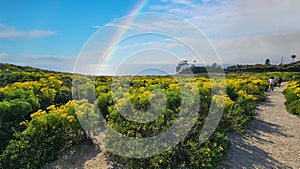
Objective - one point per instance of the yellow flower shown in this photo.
(24, 122)
(229, 101)
(145, 94)
(174, 86)
(141, 89)
(160, 161)
(51, 108)
(70, 118)
(38, 113)
(203, 164)
(221, 148)
(64, 115)
(242, 92)
(245, 95)
(207, 85)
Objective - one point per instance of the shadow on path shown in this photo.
(84, 155)
(245, 155)
(252, 150)
(250, 156)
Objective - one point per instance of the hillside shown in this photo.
(8, 68)
(10, 73)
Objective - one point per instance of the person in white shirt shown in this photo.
(271, 83)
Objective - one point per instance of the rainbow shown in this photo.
(129, 19)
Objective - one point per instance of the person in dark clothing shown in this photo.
(279, 81)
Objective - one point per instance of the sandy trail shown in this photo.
(82, 156)
(272, 140)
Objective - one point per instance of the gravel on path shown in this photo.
(272, 139)
(82, 156)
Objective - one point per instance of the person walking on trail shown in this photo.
(271, 83)
(279, 81)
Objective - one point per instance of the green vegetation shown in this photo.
(39, 119)
(292, 95)
(46, 135)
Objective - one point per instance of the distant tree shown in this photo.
(183, 64)
(267, 62)
(293, 57)
(214, 65)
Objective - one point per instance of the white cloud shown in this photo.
(234, 18)
(139, 45)
(265, 17)
(171, 45)
(244, 31)
(184, 2)
(97, 27)
(212, 19)
(258, 48)
(120, 26)
(9, 32)
(158, 7)
(156, 23)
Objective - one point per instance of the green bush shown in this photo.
(187, 153)
(292, 96)
(19, 99)
(59, 128)
(47, 134)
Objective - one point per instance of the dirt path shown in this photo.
(272, 141)
(82, 156)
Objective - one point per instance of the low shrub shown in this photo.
(47, 134)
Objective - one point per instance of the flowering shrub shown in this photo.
(292, 95)
(239, 110)
(59, 127)
(19, 99)
(47, 134)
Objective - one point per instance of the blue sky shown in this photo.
(66, 25)
(51, 34)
